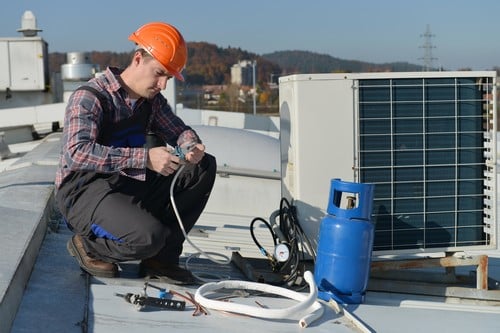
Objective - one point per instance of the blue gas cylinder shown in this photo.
(345, 243)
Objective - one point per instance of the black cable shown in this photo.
(292, 270)
(288, 225)
(297, 228)
(261, 248)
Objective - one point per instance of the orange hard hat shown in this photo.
(164, 43)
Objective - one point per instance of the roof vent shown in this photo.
(28, 24)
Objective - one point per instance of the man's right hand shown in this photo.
(162, 161)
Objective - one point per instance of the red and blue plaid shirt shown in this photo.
(84, 120)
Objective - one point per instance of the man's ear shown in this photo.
(137, 57)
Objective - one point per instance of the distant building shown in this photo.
(211, 93)
(242, 74)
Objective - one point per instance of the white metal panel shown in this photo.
(317, 143)
(4, 65)
(27, 64)
(49, 113)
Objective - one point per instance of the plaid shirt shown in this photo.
(84, 119)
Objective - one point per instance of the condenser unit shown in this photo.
(427, 140)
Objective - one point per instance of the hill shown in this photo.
(209, 64)
(310, 62)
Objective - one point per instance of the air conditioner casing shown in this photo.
(332, 126)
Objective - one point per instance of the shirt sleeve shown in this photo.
(165, 123)
(82, 152)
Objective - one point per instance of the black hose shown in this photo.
(291, 270)
(261, 248)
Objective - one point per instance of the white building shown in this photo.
(241, 73)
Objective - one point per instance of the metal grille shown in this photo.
(428, 145)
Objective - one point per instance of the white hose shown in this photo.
(172, 200)
(305, 302)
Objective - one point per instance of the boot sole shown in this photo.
(71, 247)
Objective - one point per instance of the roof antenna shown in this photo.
(28, 24)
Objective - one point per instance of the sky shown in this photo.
(465, 33)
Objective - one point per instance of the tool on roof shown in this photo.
(142, 300)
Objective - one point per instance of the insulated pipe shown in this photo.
(305, 302)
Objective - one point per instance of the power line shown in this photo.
(428, 58)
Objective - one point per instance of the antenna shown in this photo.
(28, 25)
(428, 58)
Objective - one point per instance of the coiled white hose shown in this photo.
(305, 302)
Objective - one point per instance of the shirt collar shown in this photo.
(111, 74)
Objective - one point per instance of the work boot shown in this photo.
(168, 273)
(91, 265)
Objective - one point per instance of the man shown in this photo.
(114, 178)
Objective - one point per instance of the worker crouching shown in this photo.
(116, 167)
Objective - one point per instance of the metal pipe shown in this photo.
(254, 63)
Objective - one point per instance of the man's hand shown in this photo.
(196, 153)
(162, 161)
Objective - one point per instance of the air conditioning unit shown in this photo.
(427, 140)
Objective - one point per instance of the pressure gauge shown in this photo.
(281, 252)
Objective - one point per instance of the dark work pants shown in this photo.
(137, 217)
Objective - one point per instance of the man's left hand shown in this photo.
(195, 155)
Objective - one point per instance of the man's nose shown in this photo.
(162, 82)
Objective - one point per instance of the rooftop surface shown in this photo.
(43, 290)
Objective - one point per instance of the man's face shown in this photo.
(151, 77)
